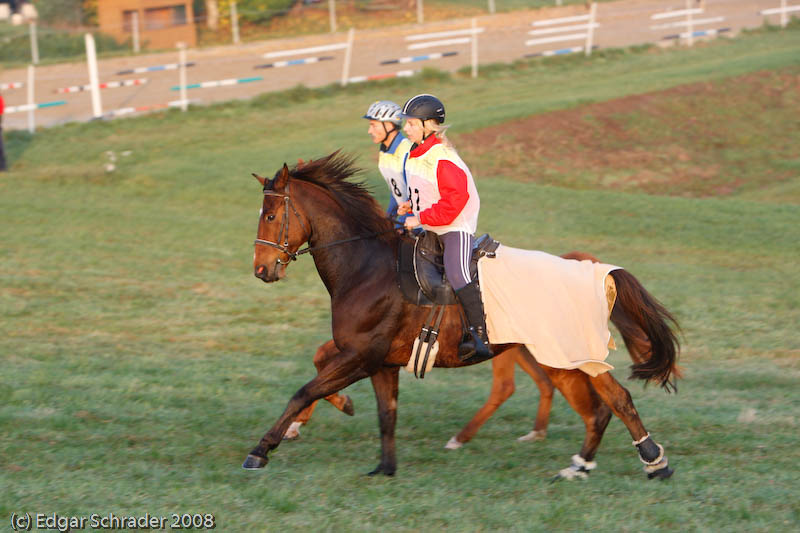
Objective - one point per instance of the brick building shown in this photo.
(162, 23)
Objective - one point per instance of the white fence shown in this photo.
(342, 58)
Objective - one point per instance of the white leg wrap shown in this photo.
(453, 444)
(638, 442)
(293, 432)
(533, 435)
(654, 467)
(579, 468)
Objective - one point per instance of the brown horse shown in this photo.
(503, 386)
(354, 249)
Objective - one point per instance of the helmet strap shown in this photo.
(387, 132)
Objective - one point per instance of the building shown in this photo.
(161, 23)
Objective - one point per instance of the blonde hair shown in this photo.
(441, 132)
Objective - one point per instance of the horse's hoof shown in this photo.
(664, 473)
(453, 444)
(348, 408)
(381, 470)
(253, 462)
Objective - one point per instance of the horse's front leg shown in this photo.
(502, 389)
(385, 383)
(347, 369)
(324, 355)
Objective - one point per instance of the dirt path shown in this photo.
(622, 23)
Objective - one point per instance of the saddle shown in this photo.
(420, 274)
(420, 268)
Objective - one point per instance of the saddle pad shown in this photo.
(557, 308)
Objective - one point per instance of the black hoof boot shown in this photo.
(254, 462)
(656, 465)
(662, 474)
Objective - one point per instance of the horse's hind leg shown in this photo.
(575, 387)
(619, 400)
(342, 402)
(527, 362)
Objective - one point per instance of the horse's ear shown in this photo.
(261, 180)
(282, 178)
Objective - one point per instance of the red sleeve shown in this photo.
(453, 195)
(2, 105)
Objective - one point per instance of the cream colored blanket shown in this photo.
(557, 308)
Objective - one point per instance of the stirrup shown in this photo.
(473, 347)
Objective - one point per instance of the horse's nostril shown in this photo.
(260, 271)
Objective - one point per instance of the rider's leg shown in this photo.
(457, 253)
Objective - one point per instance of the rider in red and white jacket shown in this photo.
(444, 200)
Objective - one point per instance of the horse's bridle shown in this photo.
(284, 234)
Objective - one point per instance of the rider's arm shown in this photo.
(452, 182)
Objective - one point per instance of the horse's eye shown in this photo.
(270, 218)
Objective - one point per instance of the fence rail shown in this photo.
(369, 55)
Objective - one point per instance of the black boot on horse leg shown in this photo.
(475, 345)
(652, 455)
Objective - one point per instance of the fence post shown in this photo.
(689, 23)
(182, 74)
(332, 14)
(31, 101)
(784, 14)
(135, 31)
(491, 7)
(590, 29)
(420, 12)
(91, 59)
(474, 45)
(347, 54)
(34, 43)
(235, 23)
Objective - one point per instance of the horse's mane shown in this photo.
(331, 173)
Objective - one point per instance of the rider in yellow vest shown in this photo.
(444, 200)
(384, 129)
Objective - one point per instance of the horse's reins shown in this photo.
(284, 234)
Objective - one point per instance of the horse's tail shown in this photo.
(644, 324)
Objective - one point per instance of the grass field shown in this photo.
(142, 360)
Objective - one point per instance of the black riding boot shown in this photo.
(475, 344)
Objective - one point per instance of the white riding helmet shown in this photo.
(384, 111)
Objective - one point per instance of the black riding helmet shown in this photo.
(424, 107)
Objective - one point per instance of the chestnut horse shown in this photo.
(503, 387)
(354, 248)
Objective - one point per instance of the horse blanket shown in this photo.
(557, 308)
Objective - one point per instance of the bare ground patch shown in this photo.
(703, 139)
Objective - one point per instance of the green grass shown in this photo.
(142, 360)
